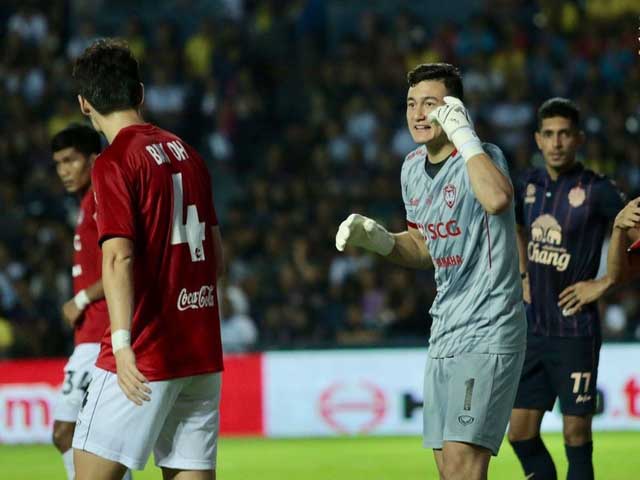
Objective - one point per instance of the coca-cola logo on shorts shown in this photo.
(202, 298)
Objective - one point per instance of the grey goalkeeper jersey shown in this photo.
(478, 307)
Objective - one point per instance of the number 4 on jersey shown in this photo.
(192, 232)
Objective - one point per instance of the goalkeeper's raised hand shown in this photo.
(456, 123)
(360, 231)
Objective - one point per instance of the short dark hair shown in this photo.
(444, 72)
(107, 75)
(81, 137)
(559, 107)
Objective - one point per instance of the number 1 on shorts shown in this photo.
(468, 395)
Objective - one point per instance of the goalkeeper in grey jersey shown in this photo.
(460, 217)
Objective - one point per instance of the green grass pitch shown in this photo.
(616, 457)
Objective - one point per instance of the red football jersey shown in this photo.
(154, 189)
(87, 268)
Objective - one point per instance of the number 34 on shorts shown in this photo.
(75, 382)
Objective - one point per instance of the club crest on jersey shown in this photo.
(530, 194)
(449, 192)
(577, 196)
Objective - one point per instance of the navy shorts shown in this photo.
(560, 367)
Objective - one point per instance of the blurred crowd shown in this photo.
(301, 122)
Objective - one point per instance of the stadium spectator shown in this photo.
(275, 115)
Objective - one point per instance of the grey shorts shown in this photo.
(468, 398)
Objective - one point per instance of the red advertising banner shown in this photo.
(28, 390)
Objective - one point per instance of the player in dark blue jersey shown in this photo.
(563, 212)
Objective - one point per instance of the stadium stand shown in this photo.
(299, 108)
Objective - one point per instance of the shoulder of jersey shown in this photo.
(532, 175)
(491, 146)
(416, 155)
(603, 181)
(601, 177)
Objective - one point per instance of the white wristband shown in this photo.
(81, 300)
(120, 339)
(467, 143)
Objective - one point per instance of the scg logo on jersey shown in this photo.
(443, 230)
(202, 298)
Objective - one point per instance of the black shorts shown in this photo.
(563, 367)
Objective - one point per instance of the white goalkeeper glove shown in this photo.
(361, 231)
(456, 123)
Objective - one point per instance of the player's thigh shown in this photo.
(173, 474)
(535, 389)
(574, 373)
(89, 466)
(435, 402)
(63, 434)
(482, 388)
(189, 437)
(465, 461)
(114, 428)
(438, 455)
(77, 376)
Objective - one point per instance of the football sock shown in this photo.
(580, 463)
(535, 459)
(67, 459)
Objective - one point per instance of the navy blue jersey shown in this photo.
(565, 223)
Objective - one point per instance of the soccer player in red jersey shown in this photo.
(157, 382)
(74, 150)
(623, 260)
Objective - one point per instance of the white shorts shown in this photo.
(77, 375)
(179, 423)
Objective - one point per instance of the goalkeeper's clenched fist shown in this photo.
(364, 232)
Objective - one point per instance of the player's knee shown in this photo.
(461, 467)
(456, 471)
(63, 435)
(519, 432)
(515, 434)
(576, 433)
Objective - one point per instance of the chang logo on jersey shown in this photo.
(443, 230)
(544, 247)
(202, 298)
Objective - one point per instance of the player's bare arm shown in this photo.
(521, 240)
(218, 250)
(406, 248)
(73, 308)
(117, 276)
(410, 250)
(490, 186)
(492, 189)
(621, 266)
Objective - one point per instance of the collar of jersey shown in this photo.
(453, 153)
(578, 167)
